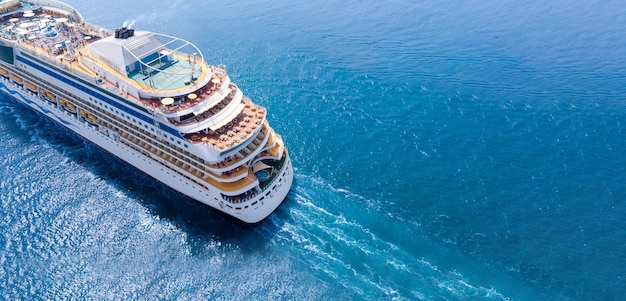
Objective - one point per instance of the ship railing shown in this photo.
(63, 8)
(244, 153)
(240, 131)
(6, 43)
(95, 30)
(201, 103)
(55, 63)
(277, 167)
(205, 113)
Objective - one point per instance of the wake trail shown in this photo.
(327, 225)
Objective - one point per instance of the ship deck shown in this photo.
(55, 36)
(58, 40)
(166, 76)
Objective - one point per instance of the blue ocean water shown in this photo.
(443, 150)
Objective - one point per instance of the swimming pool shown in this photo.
(262, 175)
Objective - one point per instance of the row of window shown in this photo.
(113, 121)
(147, 137)
(189, 158)
(136, 148)
(56, 74)
(117, 107)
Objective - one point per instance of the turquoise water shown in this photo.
(443, 150)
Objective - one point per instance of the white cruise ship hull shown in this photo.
(149, 99)
(264, 204)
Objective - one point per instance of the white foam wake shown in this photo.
(367, 258)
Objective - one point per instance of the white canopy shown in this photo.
(260, 166)
(120, 53)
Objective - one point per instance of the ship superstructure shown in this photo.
(151, 100)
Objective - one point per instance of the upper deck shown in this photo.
(155, 62)
(142, 64)
(163, 74)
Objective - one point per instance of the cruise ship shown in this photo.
(149, 99)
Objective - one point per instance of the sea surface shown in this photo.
(443, 150)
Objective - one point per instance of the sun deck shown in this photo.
(51, 34)
(44, 28)
(155, 65)
(167, 75)
(235, 132)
